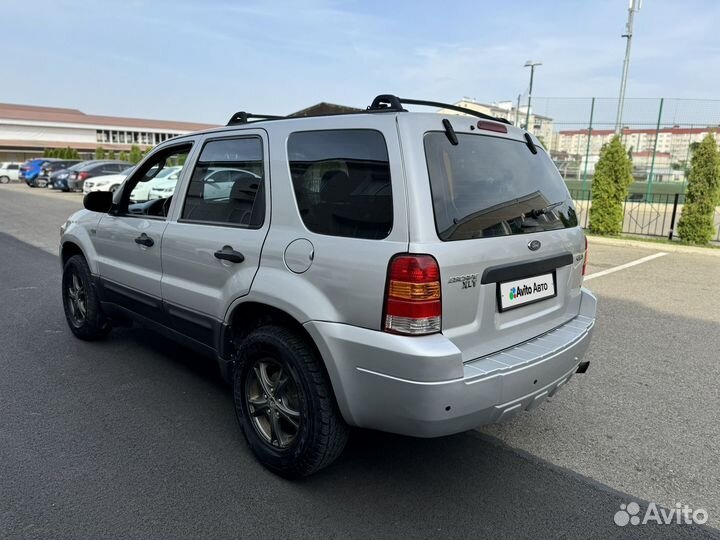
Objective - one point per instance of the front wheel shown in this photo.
(4, 179)
(285, 404)
(80, 301)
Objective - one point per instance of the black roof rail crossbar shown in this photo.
(242, 117)
(388, 102)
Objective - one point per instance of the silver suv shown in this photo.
(417, 273)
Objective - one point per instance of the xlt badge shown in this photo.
(468, 281)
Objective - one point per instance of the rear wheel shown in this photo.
(80, 301)
(285, 404)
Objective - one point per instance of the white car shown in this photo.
(141, 193)
(108, 182)
(9, 172)
(164, 188)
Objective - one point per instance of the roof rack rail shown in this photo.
(389, 102)
(242, 117)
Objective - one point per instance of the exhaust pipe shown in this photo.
(583, 366)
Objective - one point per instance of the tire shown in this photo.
(4, 179)
(321, 433)
(81, 303)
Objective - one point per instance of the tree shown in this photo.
(124, 156)
(135, 154)
(99, 153)
(613, 176)
(703, 194)
(110, 154)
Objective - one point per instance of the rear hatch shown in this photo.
(495, 213)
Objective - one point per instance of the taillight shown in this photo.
(585, 257)
(82, 176)
(412, 298)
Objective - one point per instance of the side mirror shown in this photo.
(98, 201)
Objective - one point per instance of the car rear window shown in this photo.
(491, 186)
(342, 182)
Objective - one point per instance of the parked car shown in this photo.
(47, 169)
(109, 182)
(9, 172)
(142, 191)
(30, 170)
(408, 272)
(219, 180)
(58, 179)
(93, 168)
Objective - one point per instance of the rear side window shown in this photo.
(491, 186)
(227, 184)
(342, 182)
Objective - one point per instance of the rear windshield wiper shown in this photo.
(537, 212)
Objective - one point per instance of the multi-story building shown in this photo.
(674, 141)
(26, 131)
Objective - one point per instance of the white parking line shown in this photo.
(626, 265)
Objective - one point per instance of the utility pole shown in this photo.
(633, 7)
(531, 65)
(517, 112)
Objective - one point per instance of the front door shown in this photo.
(128, 240)
(211, 246)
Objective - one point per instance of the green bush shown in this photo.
(703, 194)
(99, 153)
(135, 154)
(613, 176)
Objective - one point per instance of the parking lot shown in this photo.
(136, 435)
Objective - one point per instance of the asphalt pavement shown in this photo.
(135, 437)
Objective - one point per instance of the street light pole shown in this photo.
(632, 8)
(531, 65)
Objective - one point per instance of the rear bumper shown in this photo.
(420, 387)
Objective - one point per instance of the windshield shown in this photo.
(491, 186)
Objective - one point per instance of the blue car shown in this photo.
(30, 170)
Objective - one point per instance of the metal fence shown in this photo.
(660, 135)
(644, 214)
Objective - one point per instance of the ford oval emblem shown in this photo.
(534, 245)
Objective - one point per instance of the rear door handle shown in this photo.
(144, 240)
(227, 253)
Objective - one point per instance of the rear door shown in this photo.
(500, 222)
(211, 247)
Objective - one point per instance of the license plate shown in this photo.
(521, 292)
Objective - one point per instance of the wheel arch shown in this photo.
(68, 249)
(246, 316)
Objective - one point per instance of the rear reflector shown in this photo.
(585, 257)
(412, 299)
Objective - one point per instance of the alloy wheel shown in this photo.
(76, 299)
(273, 402)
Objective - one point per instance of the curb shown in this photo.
(652, 245)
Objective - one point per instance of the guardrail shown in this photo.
(653, 214)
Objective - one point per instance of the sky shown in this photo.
(203, 60)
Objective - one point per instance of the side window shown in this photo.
(342, 182)
(227, 185)
(13, 167)
(136, 191)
